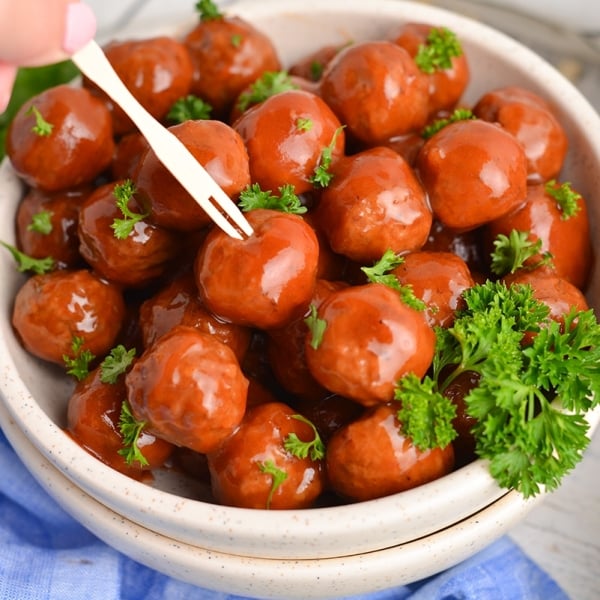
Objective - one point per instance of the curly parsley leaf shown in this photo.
(253, 197)
(267, 85)
(566, 197)
(512, 252)
(25, 263)
(460, 114)
(316, 326)
(530, 403)
(123, 193)
(208, 10)
(379, 273)
(278, 476)
(440, 47)
(322, 175)
(41, 127)
(41, 222)
(78, 362)
(313, 448)
(116, 363)
(189, 108)
(131, 430)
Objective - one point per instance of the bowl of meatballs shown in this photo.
(398, 362)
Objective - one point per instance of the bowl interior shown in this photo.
(36, 396)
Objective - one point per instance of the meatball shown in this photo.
(218, 148)
(370, 458)
(54, 309)
(376, 89)
(370, 340)
(189, 389)
(373, 203)
(60, 139)
(255, 468)
(474, 172)
(264, 281)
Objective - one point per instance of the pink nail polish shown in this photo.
(80, 26)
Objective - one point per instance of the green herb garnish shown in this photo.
(267, 85)
(460, 114)
(25, 263)
(123, 193)
(513, 251)
(313, 448)
(131, 430)
(322, 176)
(566, 198)
(278, 476)
(441, 45)
(41, 222)
(189, 108)
(316, 326)
(78, 362)
(252, 197)
(116, 363)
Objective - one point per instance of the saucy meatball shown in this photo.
(254, 469)
(373, 203)
(178, 303)
(371, 458)
(565, 234)
(438, 279)
(60, 139)
(157, 71)
(189, 389)
(54, 309)
(474, 172)
(371, 338)
(285, 137)
(228, 54)
(446, 85)
(47, 225)
(376, 89)
(264, 281)
(218, 148)
(532, 121)
(143, 255)
(93, 416)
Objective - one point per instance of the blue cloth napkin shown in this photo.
(46, 555)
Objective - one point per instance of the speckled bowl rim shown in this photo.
(311, 533)
(272, 578)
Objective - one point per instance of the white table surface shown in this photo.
(563, 533)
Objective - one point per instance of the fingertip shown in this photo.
(80, 26)
(8, 74)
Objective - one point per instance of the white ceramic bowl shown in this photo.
(36, 398)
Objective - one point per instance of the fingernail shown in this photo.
(80, 26)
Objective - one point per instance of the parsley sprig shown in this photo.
(441, 45)
(530, 402)
(253, 197)
(123, 193)
(316, 326)
(79, 360)
(189, 108)
(25, 263)
(208, 10)
(42, 127)
(380, 273)
(116, 363)
(322, 175)
(313, 448)
(459, 114)
(511, 253)
(566, 198)
(267, 85)
(41, 222)
(278, 476)
(131, 430)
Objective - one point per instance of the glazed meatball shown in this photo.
(264, 281)
(178, 303)
(93, 416)
(255, 469)
(373, 203)
(189, 389)
(47, 225)
(370, 340)
(285, 136)
(218, 148)
(228, 54)
(439, 280)
(142, 256)
(370, 458)
(157, 71)
(60, 139)
(474, 172)
(376, 89)
(54, 309)
(532, 121)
